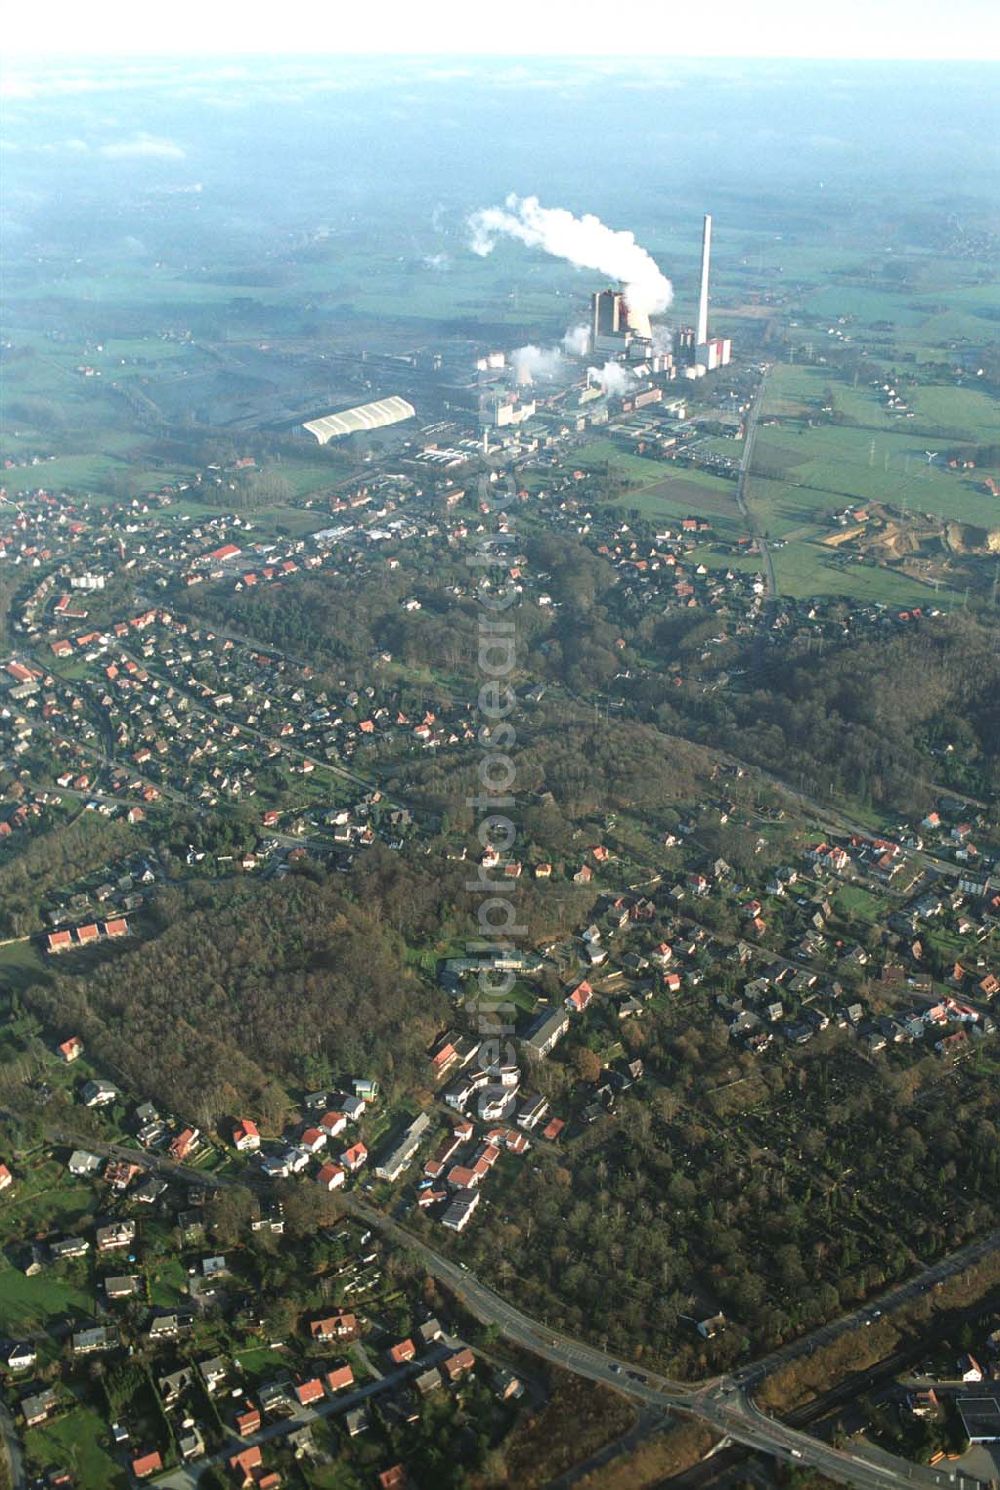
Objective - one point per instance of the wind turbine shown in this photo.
(932, 456)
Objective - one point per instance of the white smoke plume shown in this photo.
(613, 378)
(576, 342)
(533, 364)
(663, 339)
(584, 241)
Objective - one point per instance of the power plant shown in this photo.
(709, 352)
(618, 330)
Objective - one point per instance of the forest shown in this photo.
(252, 990)
(780, 1195)
(52, 862)
(874, 720)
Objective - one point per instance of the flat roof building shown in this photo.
(392, 1164)
(981, 1417)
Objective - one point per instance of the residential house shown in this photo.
(580, 997)
(246, 1136)
(309, 1392)
(338, 1378)
(143, 1465)
(332, 1177)
(458, 1364)
(354, 1158)
(38, 1406)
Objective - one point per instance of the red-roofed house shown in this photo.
(146, 1464)
(456, 1365)
(71, 1049)
(244, 1463)
(333, 1123)
(246, 1136)
(248, 1421)
(339, 1378)
(579, 998)
(394, 1478)
(339, 1326)
(404, 1351)
(310, 1391)
(354, 1157)
(58, 941)
(182, 1145)
(312, 1140)
(332, 1177)
(462, 1177)
(87, 934)
(116, 928)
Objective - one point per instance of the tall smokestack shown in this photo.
(706, 255)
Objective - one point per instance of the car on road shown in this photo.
(636, 1376)
(616, 1368)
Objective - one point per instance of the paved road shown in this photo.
(723, 1403)
(741, 485)
(12, 1449)
(904, 1293)
(726, 1405)
(186, 1476)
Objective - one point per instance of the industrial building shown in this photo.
(704, 353)
(709, 352)
(379, 415)
(981, 1418)
(617, 330)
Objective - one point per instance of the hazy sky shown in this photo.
(918, 29)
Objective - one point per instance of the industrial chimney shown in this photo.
(706, 255)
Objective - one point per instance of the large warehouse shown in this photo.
(366, 416)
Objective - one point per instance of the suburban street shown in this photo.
(726, 1403)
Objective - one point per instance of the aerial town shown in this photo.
(499, 787)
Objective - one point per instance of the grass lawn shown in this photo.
(168, 1282)
(848, 463)
(21, 965)
(963, 413)
(27, 1304)
(801, 473)
(852, 901)
(341, 1475)
(315, 474)
(76, 1442)
(261, 1363)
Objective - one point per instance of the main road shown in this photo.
(749, 437)
(724, 1403)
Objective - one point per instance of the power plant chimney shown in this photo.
(706, 255)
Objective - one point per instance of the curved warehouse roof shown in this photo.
(365, 416)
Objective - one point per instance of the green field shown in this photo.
(661, 491)
(807, 467)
